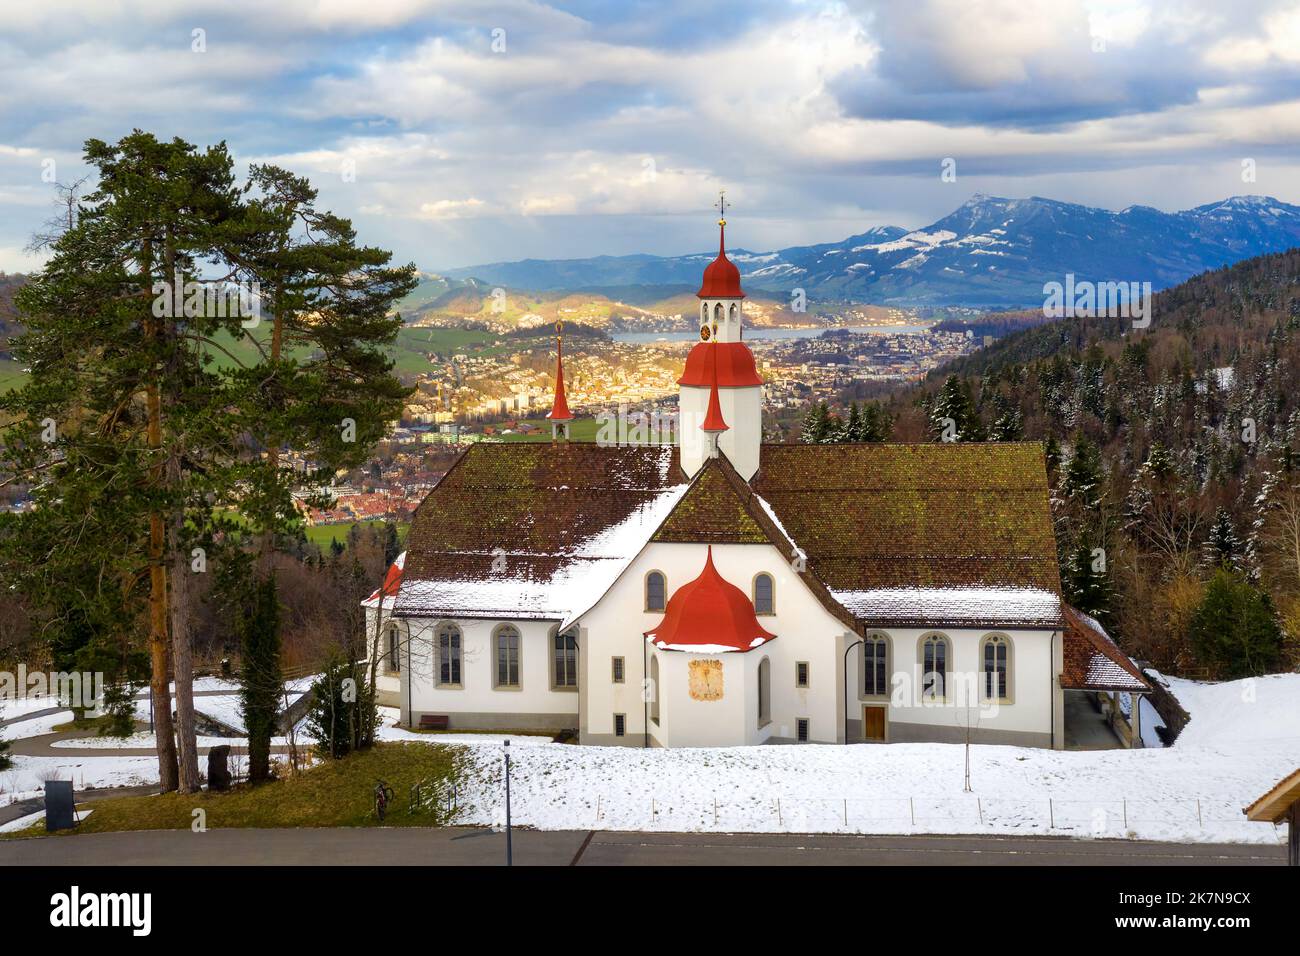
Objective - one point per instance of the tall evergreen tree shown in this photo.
(1234, 630)
(952, 413)
(1222, 546)
(261, 678)
(816, 424)
(127, 410)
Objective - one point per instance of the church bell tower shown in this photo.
(721, 398)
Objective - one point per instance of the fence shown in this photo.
(1185, 820)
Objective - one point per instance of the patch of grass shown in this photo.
(335, 793)
(322, 534)
(83, 723)
(580, 429)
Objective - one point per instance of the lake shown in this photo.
(649, 338)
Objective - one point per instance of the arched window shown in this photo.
(564, 660)
(936, 653)
(764, 692)
(505, 644)
(996, 656)
(875, 666)
(704, 312)
(764, 594)
(653, 689)
(394, 656)
(733, 312)
(717, 313)
(449, 655)
(656, 591)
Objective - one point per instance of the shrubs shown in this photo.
(1234, 630)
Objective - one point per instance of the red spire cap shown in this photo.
(392, 584)
(713, 420)
(721, 277)
(709, 615)
(560, 407)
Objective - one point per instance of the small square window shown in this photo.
(616, 670)
(801, 729)
(801, 674)
(620, 725)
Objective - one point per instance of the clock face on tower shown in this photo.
(705, 333)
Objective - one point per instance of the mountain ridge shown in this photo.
(990, 252)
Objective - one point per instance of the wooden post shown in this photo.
(1293, 855)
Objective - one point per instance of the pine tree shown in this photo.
(851, 429)
(1234, 630)
(342, 715)
(261, 678)
(6, 761)
(1087, 582)
(392, 545)
(1082, 482)
(134, 426)
(1008, 427)
(816, 425)
(952, 413)
(1222, 546)
(876, 423)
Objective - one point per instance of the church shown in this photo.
(722, 592)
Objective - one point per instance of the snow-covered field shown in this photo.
(1243, 737)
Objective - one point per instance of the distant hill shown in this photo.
(991, 252)
(1172, 448)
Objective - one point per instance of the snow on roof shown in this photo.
(1092, 661)
(573, 586)
(933, 607)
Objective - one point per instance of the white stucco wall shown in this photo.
(1031, 683)
(742, 410)
(477, 695)
(804, 629)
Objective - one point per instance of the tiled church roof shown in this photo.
(525, 530)
(1092, 661)
(886, 535)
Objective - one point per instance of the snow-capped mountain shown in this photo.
(989, 252)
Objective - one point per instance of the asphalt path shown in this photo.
(469, 846)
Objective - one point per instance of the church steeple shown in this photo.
(721, 392)
(559, 414)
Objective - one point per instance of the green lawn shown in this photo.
(322, 534)
(582, 429)
(335, 793)
(11, 375)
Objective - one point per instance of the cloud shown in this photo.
(610, 127)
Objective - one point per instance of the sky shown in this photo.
(456, 133)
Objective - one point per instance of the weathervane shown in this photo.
(721, 205)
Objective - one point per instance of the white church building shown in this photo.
(724, 592)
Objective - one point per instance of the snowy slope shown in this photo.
(1246, 739)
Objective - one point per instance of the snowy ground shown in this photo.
(1243, 737)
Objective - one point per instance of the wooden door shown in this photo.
(873, 723)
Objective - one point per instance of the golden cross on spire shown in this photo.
(721, 205)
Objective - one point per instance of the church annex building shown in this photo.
(724, 592)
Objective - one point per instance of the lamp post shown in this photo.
(510, 856)
(846, 686)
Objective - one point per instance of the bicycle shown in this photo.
(383, 797)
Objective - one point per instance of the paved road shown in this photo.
(470, 846)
